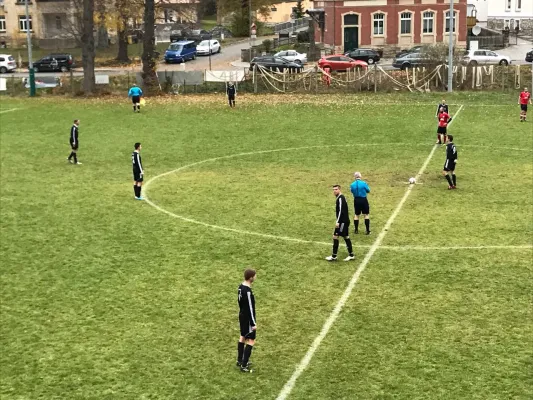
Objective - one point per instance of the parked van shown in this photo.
(180, 51)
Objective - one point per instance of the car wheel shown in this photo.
(298, 62)
(370, 61)
(219, 49)
(64, 69)
(194, 56)
(405, 66)
(504, 62)
(3, 70)
(472, 63)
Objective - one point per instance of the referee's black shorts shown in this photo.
(74, 146)
(246, 327)
(135, 99)
(441, 130)
(137, 176)
(361, 206)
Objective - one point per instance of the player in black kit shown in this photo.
(247, 321)
(342, 226)
(138, 171)
(231, 91)
(74, 143)
(449, 164)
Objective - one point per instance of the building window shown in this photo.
(508, 5)
(273, 9)
(427, 20)
(379, 24)
(405, 23)
(518, 5)
(24, 24)
(2, 23)
(448, 21)
(59, 25)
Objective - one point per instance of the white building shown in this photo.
(498, 14)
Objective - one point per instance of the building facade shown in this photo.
(391, 24)
(282, 12)
(510, 14)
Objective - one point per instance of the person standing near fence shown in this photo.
(231, 91)
(524, 99)
(135, 93)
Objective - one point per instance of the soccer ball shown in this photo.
(412, 181)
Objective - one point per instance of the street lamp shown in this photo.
(30, 56)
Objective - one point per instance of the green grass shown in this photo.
(209, 22)
(104, 297)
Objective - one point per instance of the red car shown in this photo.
(339, 62)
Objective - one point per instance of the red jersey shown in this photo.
(444, 118)
(524, 97)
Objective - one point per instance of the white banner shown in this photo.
(3, 84)
(224, 76)
(101, 79)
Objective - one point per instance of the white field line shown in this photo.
(447, 248)
(15, 109)
(300, 368)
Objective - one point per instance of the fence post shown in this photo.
(375, 78)
(72, 82)
(503, 78)
(254, 74)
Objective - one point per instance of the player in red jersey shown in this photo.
(524, 99)
(444, 119)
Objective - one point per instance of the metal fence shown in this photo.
(291, 26)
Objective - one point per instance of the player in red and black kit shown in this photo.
(444, 120)
(524, 99)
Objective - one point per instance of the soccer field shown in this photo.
(105, 297)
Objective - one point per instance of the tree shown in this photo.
(124, 11)
(240, 9)
(299, 11)
(87, 49)
(148, 57)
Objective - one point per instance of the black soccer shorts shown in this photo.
(361, 206)
(523, 107)
(343, 229)
(231, 97)
(449, 165)
(246, 328)
(137, 176)
(74, 146)
(135, 99)
(441, 130)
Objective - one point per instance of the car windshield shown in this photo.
(204, 43)
(175, 47)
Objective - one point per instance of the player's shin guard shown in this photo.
(349, 245)
(454, 179)
(450, 183)
(247, 353)
(240, 352)
(335, 247)
(367, 225)
(444, 138)
(356, 225)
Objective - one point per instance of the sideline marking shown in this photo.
(431, 248)
(300, 368)
(15, 109)
(265, 235)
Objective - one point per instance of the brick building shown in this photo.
(390, 24)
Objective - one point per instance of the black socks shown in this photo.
(75, 157)
(356, 224)
(240, 351)
(335, 247)
(454, 178)
(137, 190)
(349, 246)
(367, 224)
(449, 180)
(247, 354)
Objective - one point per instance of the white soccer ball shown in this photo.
(412, 181)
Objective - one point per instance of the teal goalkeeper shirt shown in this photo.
(135, 91)
(359, 188)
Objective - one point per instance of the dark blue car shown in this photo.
(180, 51)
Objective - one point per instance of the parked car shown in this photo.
(275, 63)
(410, 60)
(293, 56)
(181, 51)
(416, 49)
(484, 57)
(339, 62)
(367, 55)
(529, 56)
(54, 62)
(207, 47)
(7, 63)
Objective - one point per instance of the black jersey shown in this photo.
(74, 135)
(231, 90)
(451, 152)
(444, 107)
(136, 160)
(246, 301)
(341, 209)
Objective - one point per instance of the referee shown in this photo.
(135, 93)
(74, 142)
(360, 189)
(247, 322)
(138, 171)
(444, 107)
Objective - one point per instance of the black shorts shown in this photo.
(135, 99)
(74, 146)
(231, 97)
(361, 206)
(246, 327)
(449, 165)
(441, 130)
(137, 176)
(523, 107)
(343, 229)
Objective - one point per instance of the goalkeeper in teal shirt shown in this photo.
(135, 93)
